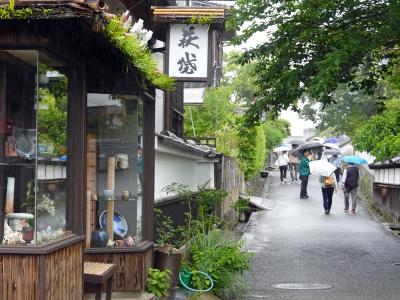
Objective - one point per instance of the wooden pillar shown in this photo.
(110, 200)
(148, 168)
(76, 162)
(3, 116)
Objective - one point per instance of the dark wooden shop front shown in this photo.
(74, 123)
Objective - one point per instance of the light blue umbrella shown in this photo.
(331, 140)
(354, 159)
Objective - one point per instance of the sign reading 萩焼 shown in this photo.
(188, 51)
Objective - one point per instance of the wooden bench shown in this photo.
(99, 273)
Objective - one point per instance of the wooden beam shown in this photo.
(189, 14)
(190, 10)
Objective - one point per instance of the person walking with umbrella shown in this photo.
(293, 166)
(327, 178)
(283, 161)
(328, 185)
(335, 160)
(349, 184)
(304, 171)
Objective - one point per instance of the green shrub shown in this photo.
(252, 149)
(221, 258)
(241, 205)
(158, 282)
(209, 199)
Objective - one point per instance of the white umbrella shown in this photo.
(331, 152)
(331, 145)
(321, 167)
(282, 148)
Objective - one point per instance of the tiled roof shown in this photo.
(170, 139)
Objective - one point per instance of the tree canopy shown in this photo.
(380, 135)
(312, 46)
(275, 131)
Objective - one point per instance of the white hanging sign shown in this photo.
(188, 51)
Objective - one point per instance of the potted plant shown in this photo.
(168, 243)
(242, 207)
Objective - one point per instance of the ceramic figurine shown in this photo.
(119, 243)
(125, 195)
(14, 238)
(99, 238)
(44, 235)
(7, 228)
(130, 241)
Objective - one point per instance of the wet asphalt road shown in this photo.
(296, 242)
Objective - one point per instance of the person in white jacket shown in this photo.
(283, 161)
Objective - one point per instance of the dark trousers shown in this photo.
(283, 170)
(327, 194)
(304, 183)
(337, 174)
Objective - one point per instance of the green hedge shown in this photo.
(252, 149)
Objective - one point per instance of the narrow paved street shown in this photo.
(296, 242)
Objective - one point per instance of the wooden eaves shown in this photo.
(178, 14)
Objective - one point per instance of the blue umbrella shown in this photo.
(331, 140)
(354, 159)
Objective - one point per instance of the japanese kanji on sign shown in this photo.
(188, 51)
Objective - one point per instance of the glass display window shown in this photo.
(33, 135)
(114, 169)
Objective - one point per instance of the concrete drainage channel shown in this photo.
(301, 286)
(294, 286)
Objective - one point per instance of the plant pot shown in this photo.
(62, 149)
(171, 260)
(28, 234)
(242, 217)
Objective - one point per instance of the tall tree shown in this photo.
(314, 45)
(242, 79)
(348, 110)
(216, 112)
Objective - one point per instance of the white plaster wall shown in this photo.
(171, 167)
(205, 174)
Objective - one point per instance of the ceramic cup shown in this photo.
(121, 161)
(125, 195)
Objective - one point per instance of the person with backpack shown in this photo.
(328, 185)
(349, 184)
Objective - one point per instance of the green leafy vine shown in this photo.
(138, 55)
(9, 12)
